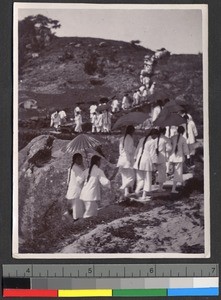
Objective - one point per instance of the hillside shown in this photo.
(82, 70)
(167, 224)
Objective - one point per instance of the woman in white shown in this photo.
(55, 120)
(94, 122)
(177, 157)
(106, 116)
(78, 122)
(163, 147)
(126, 159)
(145, 155)
(190, 135)
(157, 109)
(92, 178)
(99, 121)
(76, 206)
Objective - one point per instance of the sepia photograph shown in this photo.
(110, 131)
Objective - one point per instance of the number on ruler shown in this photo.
(28, 270)
(151, 270)
(90, 270)
(213, 270)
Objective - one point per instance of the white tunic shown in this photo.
(182, 149)
(74, 188)
(192, 132)
(156, 112)
(62, 114)
(126, 151)
(78, 122)
(91, 188)
(144, 161)
(164, 147)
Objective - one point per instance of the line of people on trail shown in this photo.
(154, 151)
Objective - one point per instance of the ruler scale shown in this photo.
(110, 280)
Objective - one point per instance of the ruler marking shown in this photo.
(63, 271)
(24, 274)
(124, 272)
(93, 270)
(140, 273)
(78, 273)
(16, 273)
(194, 274)
(186, 271)
(170, 272)
(201, 272)
(109, 272)
(132, 274)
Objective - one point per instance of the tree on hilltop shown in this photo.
(35, 33)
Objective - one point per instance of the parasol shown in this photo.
(166, 118)
(82, 142)
(103, 107)
(132, 118)
(174, 106)
(157, 95)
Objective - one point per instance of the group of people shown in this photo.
(84, 187)
(154, 152)
(58, 118)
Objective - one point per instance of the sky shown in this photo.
(177, 30)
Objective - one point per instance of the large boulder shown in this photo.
(43, 168)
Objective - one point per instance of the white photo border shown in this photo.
(207, 233)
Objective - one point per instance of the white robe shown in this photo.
(78, 122)
(91, 189)
(126, 150)
(155, 113)
(74, 188)
(182, 149)
(164, 147)
(144, 161)
(192, 132)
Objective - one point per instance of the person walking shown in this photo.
(99, 121)
(75, 205)
(55, 120)
(179, 151)
(126, 159)
(157, 109)
(92, 179)
(94, 122)
(163, 148)
(125, 102)
(115, 105)
(78, 122)
(106, 121)
(190, 134)
(145, 156)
